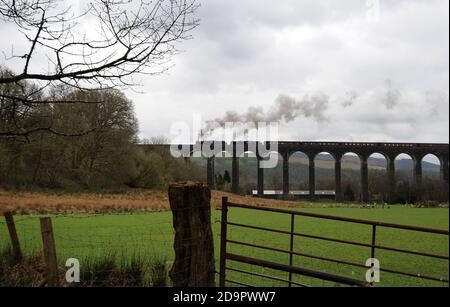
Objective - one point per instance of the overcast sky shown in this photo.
(385, 72)
(379, 68)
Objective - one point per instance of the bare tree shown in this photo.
(156, 140)
(103, 46)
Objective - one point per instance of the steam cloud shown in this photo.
(285, 109)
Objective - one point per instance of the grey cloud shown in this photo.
(247, 51)
(437, 102)
(391, 96)
(242, 29)
(349, 99)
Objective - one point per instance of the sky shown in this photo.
(382, 66)
(357, 70)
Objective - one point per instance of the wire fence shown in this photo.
(112, 249)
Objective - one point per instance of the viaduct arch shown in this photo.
(337, 149)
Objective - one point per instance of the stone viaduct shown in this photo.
(417, 151)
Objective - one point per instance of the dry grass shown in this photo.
(28, 273)
(135, 201)
(104, 271)
(35, 203)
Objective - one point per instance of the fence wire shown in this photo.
(119, 249)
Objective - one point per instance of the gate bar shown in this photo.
(223, 241)
(342, 241)
(291, 248)
(297, 270)
(343, 219)
(387, 270)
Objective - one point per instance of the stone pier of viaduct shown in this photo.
(337, 150)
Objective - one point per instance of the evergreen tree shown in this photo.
(219, 181)
(226, 177)
(349, 194)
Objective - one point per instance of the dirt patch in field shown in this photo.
(40, 203)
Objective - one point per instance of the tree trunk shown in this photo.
(194, 248)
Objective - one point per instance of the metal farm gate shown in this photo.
(290, 270)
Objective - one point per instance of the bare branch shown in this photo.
(128, 41)
(103, 47)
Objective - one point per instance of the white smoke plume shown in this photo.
(285, 109)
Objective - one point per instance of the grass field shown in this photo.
(86, 236)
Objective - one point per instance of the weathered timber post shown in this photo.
(194, 264)
(51, 262)
(17, 252)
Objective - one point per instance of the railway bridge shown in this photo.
(236, 150)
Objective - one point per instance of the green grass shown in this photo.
(437, 218)
(151, 235)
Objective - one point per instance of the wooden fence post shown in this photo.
(51, 262)
(17, 252)
(223, 242)
(194, 264)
